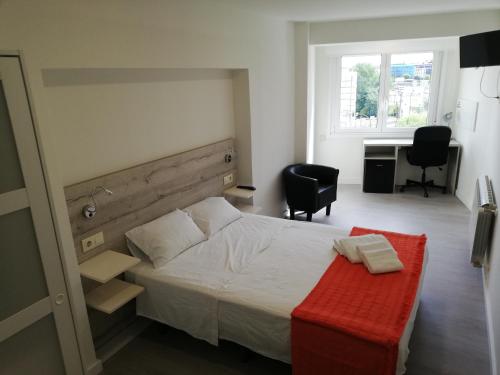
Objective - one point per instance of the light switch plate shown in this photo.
(228, 179)
(92, 242)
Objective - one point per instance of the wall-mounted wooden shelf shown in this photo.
(248, 208)
(113, 293)
(107, 265)
(239, 193)
(111, 296)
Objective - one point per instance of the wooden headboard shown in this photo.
(145, 192)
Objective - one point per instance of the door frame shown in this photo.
(83, 359)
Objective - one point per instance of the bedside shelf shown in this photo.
(107, 265)
(239, 193)
(112, 295)
(248, 208)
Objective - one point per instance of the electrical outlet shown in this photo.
(228, 179)
(92, 242)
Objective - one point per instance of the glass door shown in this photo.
(36, 328)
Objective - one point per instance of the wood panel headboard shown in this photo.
(145, 192)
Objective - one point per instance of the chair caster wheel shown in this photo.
(426, 195)
(401, 189)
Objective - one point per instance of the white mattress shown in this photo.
(243, 283)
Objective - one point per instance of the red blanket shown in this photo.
(352, 321)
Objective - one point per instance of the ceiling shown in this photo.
(320, 10)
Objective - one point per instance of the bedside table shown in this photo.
(248, 208)
(239, 193)
(242, 194)
(113, 293)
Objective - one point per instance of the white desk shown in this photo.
(391, 149)
(402, 142)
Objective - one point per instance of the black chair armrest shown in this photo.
(325, 175)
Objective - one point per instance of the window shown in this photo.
(409, 90)
(384, 92)
(359, 91)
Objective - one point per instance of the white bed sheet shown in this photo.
(243, 283)
(184, 293)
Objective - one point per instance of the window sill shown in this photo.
(372, 134)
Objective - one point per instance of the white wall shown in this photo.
(243, 124)
(345, 151)
(406, 27)
(301, 90)
(150, 34)
(107, 126)
(154, 34)
(481, 155)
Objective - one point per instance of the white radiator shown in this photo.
(484, 211)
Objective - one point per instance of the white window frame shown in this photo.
(385, 69)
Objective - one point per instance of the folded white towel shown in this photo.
(377, 242)
(348, 246)
(373, 250)
(379, 257)
(338, 247)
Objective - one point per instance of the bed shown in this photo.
(243, 282)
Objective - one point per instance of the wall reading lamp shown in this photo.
(90, 210)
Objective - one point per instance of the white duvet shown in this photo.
(243, 283)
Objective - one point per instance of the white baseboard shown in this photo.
(461, 198)
(123, 338)
(489, 327)
(349, 181)
(95, 368)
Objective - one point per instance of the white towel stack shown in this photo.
(348, 246)
(374, 250)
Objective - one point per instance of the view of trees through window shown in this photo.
(408, 80)
(359, 91)
(368, 90)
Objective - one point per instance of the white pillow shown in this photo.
(212, 214)
(166, 237)
(135, 251)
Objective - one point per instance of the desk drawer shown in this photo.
(379, 176)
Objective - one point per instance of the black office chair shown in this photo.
(430, 149)
(309, 188)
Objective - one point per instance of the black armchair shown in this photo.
(309, 188)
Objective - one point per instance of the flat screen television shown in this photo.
(480, 49)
